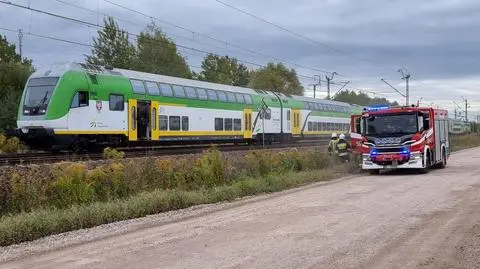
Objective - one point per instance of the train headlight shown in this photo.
(26, 111)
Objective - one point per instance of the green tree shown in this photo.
(277, 78)
(112, 47)
(224, 70)
(361, 98)
(14, 72)
(156, 53)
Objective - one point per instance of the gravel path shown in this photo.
(396, 220)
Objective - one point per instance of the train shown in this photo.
(79, 106)
(457, 127)
(82, 107)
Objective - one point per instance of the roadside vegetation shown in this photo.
(459, 142)
(49, 199)
(10, 145)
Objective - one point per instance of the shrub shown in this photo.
(71, 187)
(110, 153)
(11, 145)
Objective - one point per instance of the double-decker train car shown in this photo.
(456, 126)
(80, 106)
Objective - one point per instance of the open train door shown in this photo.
(154, 120)
(132, 120)
(355, 130)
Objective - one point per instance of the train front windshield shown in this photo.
(393, 124)
(37, 95)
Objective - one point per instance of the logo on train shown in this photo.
(99, 105)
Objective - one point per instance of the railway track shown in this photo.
(46, 157)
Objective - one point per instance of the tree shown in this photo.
(112, 47)
(277, 78)
(361, 99)
(156, 53)
(224, 70)
(14, 72)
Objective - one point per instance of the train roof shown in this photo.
(60, 68)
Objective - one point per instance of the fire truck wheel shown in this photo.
(427, 164)
(374, 172)
(444, 160)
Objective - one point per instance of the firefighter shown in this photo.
(342, 147)
(332, 144)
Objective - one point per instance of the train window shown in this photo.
(191, 92)
(174, 122)
(202, 94)
(218, 124)
(163, 123)
(222, 96)
(152, 88)
(240, 99)
(116, 102)
(228, 124)
(80, 99)
(138, 86)
(231, 97)
(212, 95)
(237, 124)
(288, 114)
(184, 123)
(248, 99)
(268, 114)
(166, 90)
(324, 126)
(310, 126)
(179, 91)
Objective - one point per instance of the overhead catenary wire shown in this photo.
(133, 34)
(297, 34)
(216, 39)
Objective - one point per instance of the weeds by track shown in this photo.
(47, 157)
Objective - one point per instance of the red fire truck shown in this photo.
(401, 137)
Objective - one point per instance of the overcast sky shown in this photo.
(363, 41)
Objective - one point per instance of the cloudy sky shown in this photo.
(363, 41)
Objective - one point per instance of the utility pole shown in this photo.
(315, 84)
(20, 41)
(406, 76)
(329, 79)
(467, 105)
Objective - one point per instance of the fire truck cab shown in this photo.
(401, 137)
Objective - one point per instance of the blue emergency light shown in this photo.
(376, 107)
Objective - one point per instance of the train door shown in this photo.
(296, 122)
(154, 120)
(247, 119)
(144, 125)
(132, 120)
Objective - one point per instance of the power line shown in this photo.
(133, 34)
(297, 34)
(216, 39)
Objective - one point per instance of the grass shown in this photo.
(43, 222)
(459, 142)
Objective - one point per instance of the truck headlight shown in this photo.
(415, 156)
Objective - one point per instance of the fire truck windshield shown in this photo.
(391, 124)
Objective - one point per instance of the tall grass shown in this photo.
(47, 221)
(459, 142)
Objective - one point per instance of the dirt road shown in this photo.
(387, 221)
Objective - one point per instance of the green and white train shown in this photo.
(80, 106)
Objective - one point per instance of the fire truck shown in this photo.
(401, 137)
